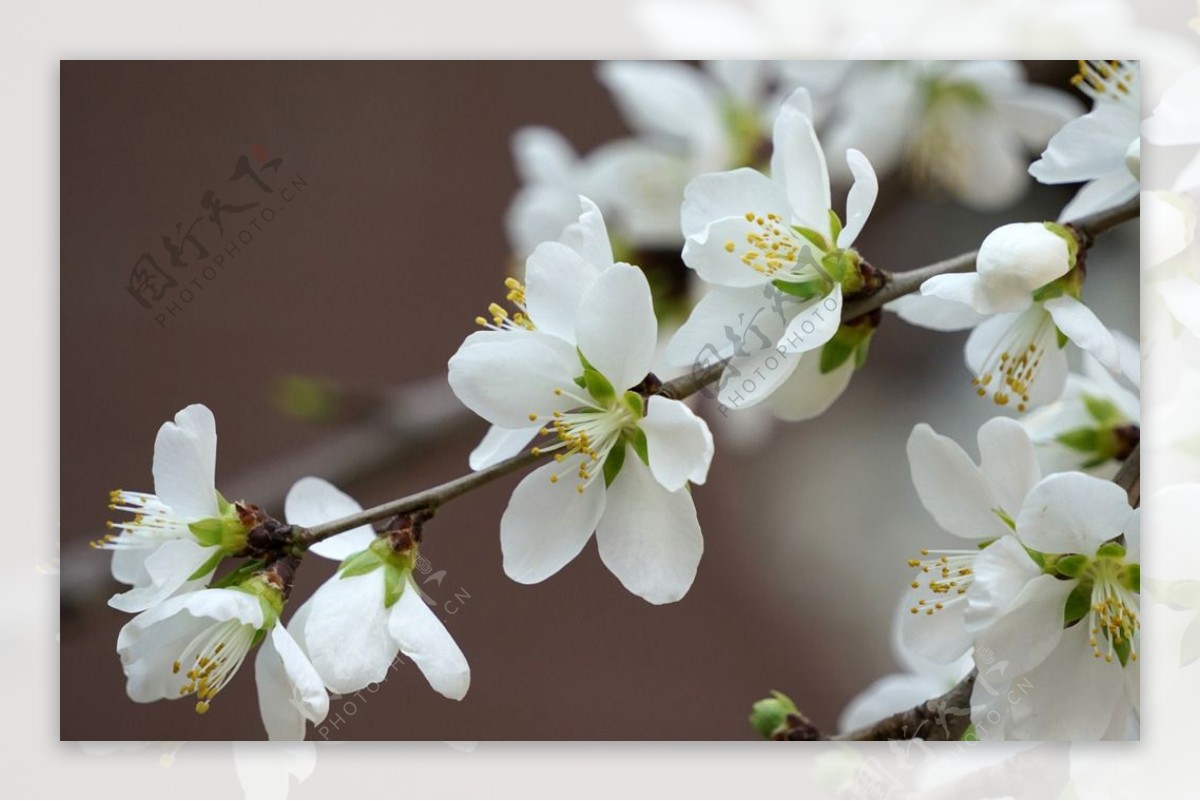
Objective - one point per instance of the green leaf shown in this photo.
(612, 464)
(1086, 440)
(640, 446)
(209, 565)
(359, 564)
(834, 354)
(1079, 603)
(394, 584)
(598, 386)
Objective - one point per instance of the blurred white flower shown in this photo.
(1175, 121)
(552, 176)
(1095, 423)
(964, 128)
(193, 644)
(779, 258)
(1023, 302)
(977, 503)
(1103, 147)
(919, 681)
(177, 536)
(1062, 565)
(580, 392)
(355, 623)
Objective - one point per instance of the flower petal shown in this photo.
(938, 314)
(1020, 258)
(169, 569)
(1008, 461)
(1001, 572)
(547, 524)
(617, 331)
(969, 290)
(750, 380)
(1083, 327)
(861, 199)
(556, 278)
(951, 487)
(504, 378)
(1070, 696)
(424, 640)
(735, 193)
(814, 325)
(343, 629)
(588, 236)
(648, 537)
(808, 392)
(938, 637)
(722, 317)
(499, 444)
(717, 255)
(185, 463)
(1072, 513)
(678, 442)
(1030, 629)
(798, 164)
(1106, 192)
(1088, 146)
(289, 690)
(312, 501)
(666, 99)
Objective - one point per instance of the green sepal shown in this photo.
(969, 734)
(223, 506)
(1079, 603)
(1005, 519)
(580, 382)
(818, 241)
(239, 574)
(1072, 243)
(640, 446)
(769, 715)
(394, 583)
(1111, 550)
(209, 565)
(805, 290)
(359, 564)
(208, 532)
(1103, 411)
(1061, 338)
(598, 386)
(259, 636)
(1130, 577)
(1071, 566)
(1038, 557)
(986, 543)
(834, 354)
(613, 463)
(1122, 648)
(636, 403)
(860, 355)
(835, 226)
(1085, 440)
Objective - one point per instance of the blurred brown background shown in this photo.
(370, 277)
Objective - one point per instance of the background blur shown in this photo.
(369, 278)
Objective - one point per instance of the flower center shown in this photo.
(1114, 612)
(1108, 81)
(779, 252)
(946, 576)
(500, 319)
(212, 658)
(583, 439)
(153, 522)
(1010, 368)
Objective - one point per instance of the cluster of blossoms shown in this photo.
(1044, 598)
(191, 633)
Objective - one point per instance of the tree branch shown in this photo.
(894, 285)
